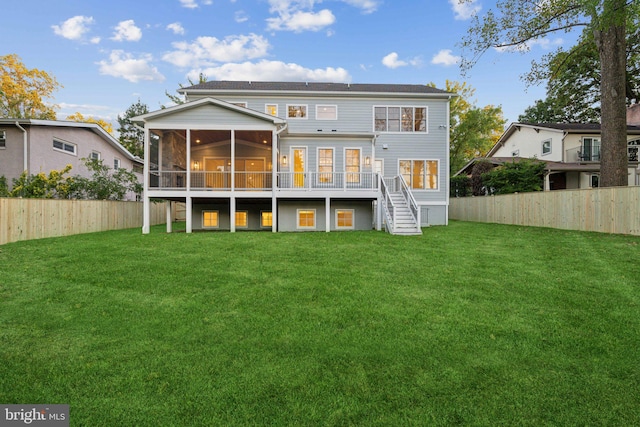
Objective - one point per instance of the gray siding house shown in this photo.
(38, 146)
(286, 156)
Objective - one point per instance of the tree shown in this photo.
(516, 177)
(42, 186)
(105, 183)
(519, 22)
(178, 100)
(573, 81)
(473, 131)
(78, 117)
(23, 90)
(132, 137)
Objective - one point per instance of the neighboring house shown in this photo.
(571, 152)
(38, 146)
(287, 156)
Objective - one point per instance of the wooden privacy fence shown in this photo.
(606, 210)
(25, 219)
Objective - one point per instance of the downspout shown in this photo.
(25, 163)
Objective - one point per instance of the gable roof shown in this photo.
(568, 128)
(314, 87)
(93, 127)
(206, 101)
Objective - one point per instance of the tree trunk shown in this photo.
(611, 40)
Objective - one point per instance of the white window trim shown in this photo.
(426, 119)
(266, 109)
(266, 226)
(437, 177)
(333, 165)
(3, 139)
(326, 105)
(95, 152)
(119, 163)
(240, 226)
(306, 107)
(62, 150)
(315, 219)
(542, 147)
(208, 226)
(353, 219)
(360, 164)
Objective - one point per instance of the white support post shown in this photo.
(169, 219)
(327, 210)
(275, 166)
(189, 214)
(232, 214)
(274, 214)
(146, 201)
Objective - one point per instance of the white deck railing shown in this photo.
(389, 208)
(263, 181)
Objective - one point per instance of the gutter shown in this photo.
(25, 164)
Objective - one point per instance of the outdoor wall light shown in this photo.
(284, 160)
(196, 165)
(367, 161)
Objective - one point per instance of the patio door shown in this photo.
(299, 161)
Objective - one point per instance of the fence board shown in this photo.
(606, 210)
(26, 219)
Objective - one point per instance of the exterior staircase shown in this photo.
(405, 223)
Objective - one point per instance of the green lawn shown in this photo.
(470, 324)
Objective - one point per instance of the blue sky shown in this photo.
(107, 55)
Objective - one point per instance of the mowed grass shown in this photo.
(469, 324)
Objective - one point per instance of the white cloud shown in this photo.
(446, 58)
(123, 65)
(176, 27)
(465, 9)
(127, 31)
(392, 61)
(73, 28)
(544, 43)
(272, 71)
(209, 50)
(193, 4)
(301, 21)
(95, 40)
(240, 16)
(367, 6)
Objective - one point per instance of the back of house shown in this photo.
(295, 156)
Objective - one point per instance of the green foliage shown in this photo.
(177, 100)
(131, 137)
(52, 186)
(460, 186)
(479, 168)
(4, 186)
(105, 183)
(517, 177)
(473, 130)
(573, 81)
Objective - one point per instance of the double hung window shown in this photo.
(400, 119)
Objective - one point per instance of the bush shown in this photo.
(478, 187)
(460, 186)
(517, 177)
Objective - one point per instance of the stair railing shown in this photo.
(389, 208)
(411, 201)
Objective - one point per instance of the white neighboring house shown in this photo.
(571, 152)
(296, 156)
(43, 145)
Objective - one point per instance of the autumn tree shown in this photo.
(515, 23)
(131, 136)
(473, 130)
(78, 117)
(23, 90)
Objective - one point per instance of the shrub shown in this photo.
(523, 176)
